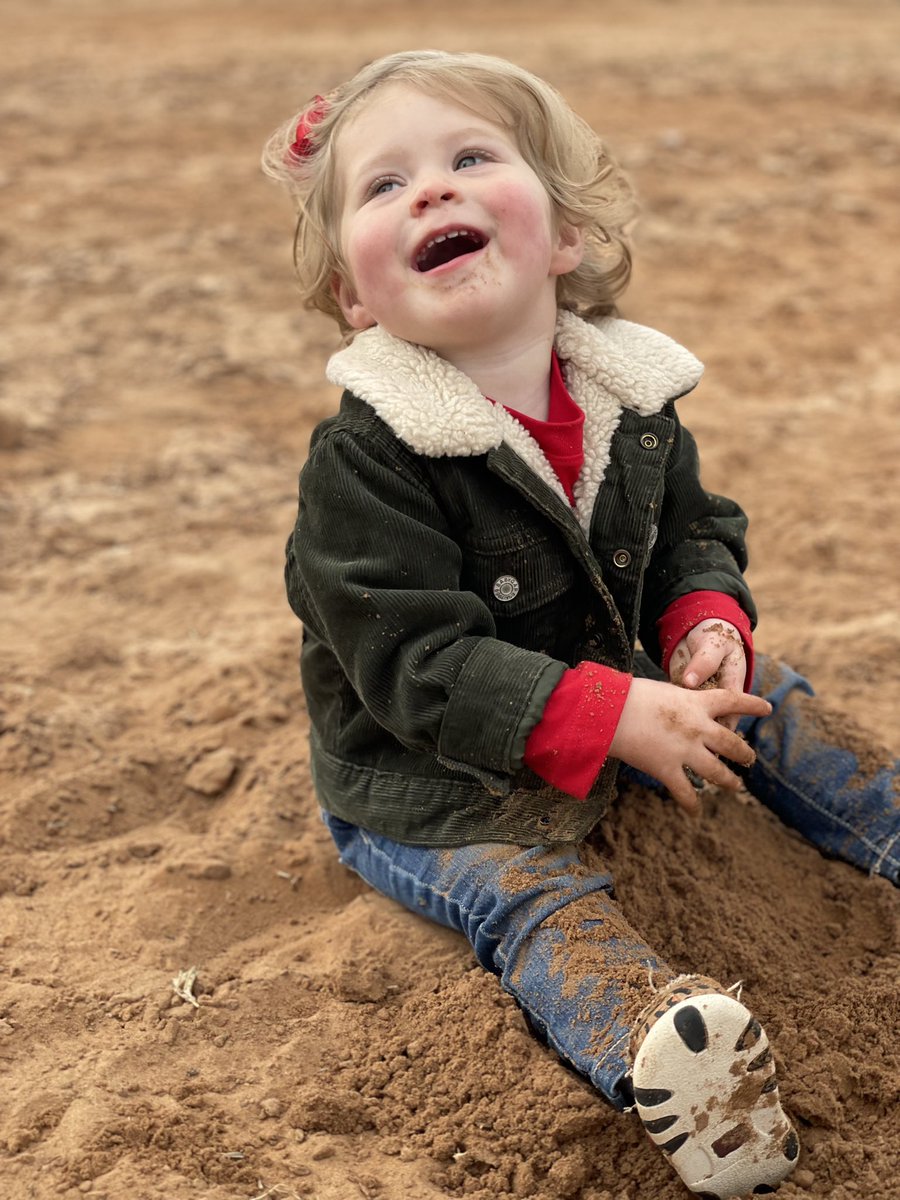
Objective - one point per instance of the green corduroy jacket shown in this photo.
(445, 582)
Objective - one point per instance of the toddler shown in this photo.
(504, 507)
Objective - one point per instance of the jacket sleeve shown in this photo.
(700, 542)
(373, 569)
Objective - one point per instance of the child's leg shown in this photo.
(823, 775)
(544, 923)
(703, 1079)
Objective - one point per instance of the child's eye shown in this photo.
(471, 158)
(382, 186)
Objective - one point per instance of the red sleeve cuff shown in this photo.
(687, 611)
(570, 743)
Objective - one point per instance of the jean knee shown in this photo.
(774, 680)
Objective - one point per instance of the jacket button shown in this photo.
(649, 441)
(506, 588)
(622, 558)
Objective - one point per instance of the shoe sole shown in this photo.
(706, 1092)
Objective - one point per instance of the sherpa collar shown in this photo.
(438, 411)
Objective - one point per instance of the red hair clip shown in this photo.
(302, 145)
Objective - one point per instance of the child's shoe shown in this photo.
(706, 1092)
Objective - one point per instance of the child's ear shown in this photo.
(356, 314)
(569, 250)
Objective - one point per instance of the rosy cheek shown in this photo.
(362, 257)
(507, 197)
(525, 212)
(378, 285)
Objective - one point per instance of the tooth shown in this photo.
(455, 233)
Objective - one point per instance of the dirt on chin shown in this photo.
(160, 384)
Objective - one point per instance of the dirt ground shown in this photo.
(160, 383)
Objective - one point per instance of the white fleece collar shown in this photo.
(438, 411)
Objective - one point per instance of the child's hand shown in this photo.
(711, 655)
(664, 729)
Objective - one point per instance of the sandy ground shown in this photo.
(159, 387)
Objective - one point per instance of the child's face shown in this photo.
(447, 232)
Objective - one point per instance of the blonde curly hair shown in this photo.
(587, 188)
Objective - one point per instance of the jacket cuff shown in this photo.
(496, 701)
(687, 611)
(570, 744)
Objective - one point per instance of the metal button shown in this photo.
(506, 588)
(649, 441)
(622, 558)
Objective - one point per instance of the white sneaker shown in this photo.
(706, 1092)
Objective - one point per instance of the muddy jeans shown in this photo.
(549, 926)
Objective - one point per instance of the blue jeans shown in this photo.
(549, 926)
(822, 776)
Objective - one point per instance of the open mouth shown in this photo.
(444, 247)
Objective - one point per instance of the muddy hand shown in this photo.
(664, 729)
(711, 655)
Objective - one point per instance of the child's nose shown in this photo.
(431, 192)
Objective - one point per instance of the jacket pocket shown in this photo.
(518, 574)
